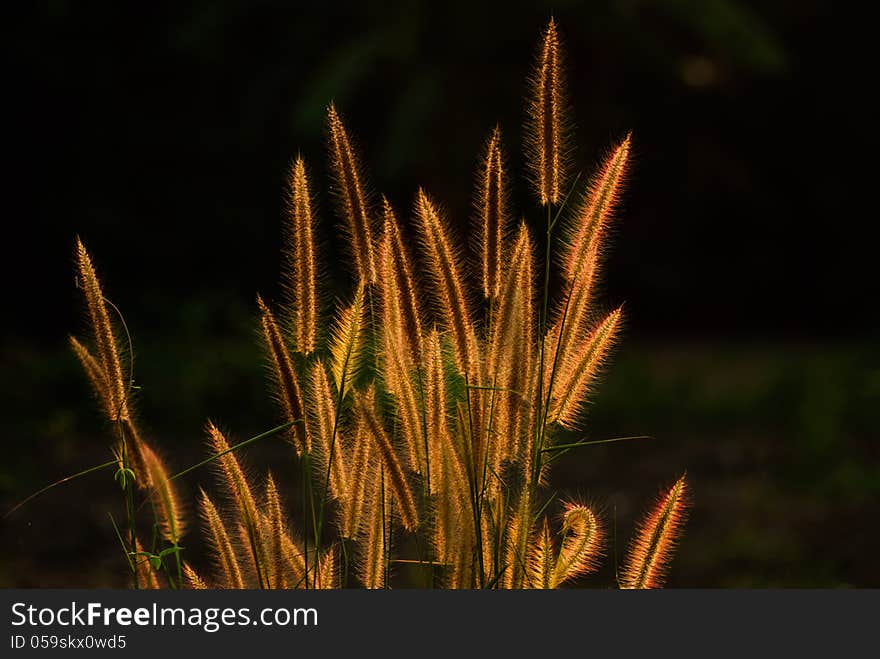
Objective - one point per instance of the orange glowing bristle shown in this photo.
(167, 507)
(192, 579)
(491, 202)
(546, 125)
(352, 503)
(299, 260)
(97, 377)
(516, 550)
(577, 371)
(348, 344)
(145, 576)
(221, 545)
(403, 497)
(323, 419)
(400, 385)
(436, 422)
(289, 394)
(397, 350)
(602, 196)
(654, 544)
(449, 283)
(510, 351)
(105, 339)
(540, 559)
(239, 491)
(276, 529)
(399, 291)
(581, 257)
(581, 545)
(372, 561)
(352, 198)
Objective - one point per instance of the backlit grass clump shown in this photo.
(425, 421)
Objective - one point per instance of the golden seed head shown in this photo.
(492, 210)
(654, 544)
(352, 199)
(449, 284)
(299, 281)
(547, 123)
(283, 373)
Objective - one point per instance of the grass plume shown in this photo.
(427, 439)
(351, 196)
(547, 122)
(492, 208)
(289, 395)
(299, 278)
(654, 543)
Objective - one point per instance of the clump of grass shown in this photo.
(426, 423)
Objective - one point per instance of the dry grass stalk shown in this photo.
(581, 257)
(547, 125)
(372, 568)
(581, 545)
(396, 481)
(449, 282)
(300, 267)
(351, 196)
(398, 286)
(275, 530)
(653, 546)
(541, 559)
(352, 505)
(192, 579)
(104, 336)
(239, 492)
(289, 395)
(225, 558)
(578, 369)
(323, 422)
(470, 413)
(145, 576)
(167, 506)
(348, 344)
(492, 208)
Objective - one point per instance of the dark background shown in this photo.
(161, 138)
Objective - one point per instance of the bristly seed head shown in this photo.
(492, 213)
(652, 548)
(299, 259)
(352, 196)
(547, 123)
